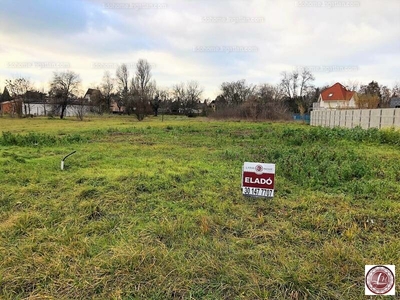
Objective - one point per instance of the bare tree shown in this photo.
(298, 89)
(236, 92)
(306, 78)
(122, 75)
(151, 89)
(142, 78)
(270, 93)
(297, 83)
(289, 83)
(107, 88)
(179, 92)
(353, 85)
(385, 96)
(179, 95)
(193, 94)
(187, 96)
(63, 88)
(269, 103)
(396, 90)
(18, 89)
(98, 101)
(80, 109)
(142, 89)
(163, 101)
(266, 102)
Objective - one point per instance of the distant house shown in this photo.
(10, 107)
(76, 106)
(92, 94)
(336, 97)
(27, 104)
(5, 96)
(34, 103)
(213, 106)
(116, 106)
(395, 102)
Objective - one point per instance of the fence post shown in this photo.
(329, 119)
(321, 113)
(369, 119)
(352, 118)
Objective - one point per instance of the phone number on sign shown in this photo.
(258, 192)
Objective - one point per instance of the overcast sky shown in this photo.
(208, 41)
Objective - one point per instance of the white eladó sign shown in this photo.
(258, 179)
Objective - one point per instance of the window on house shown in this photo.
(330, 95)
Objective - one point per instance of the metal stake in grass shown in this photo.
(62, 161)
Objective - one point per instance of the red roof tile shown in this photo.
(336, 92)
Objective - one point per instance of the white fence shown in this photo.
(41, 109)
(366, 118)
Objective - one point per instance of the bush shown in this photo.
(253, 111)
(299, 136)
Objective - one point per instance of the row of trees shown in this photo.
(374, 95)
(295, 93)
(139, 95)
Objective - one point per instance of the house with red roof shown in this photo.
(336, 97)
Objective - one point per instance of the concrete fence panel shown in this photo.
(397, 118)
(337, 118)
(375, 120)
(356, 118)
(342, 118)
(366, 118)
(349, 119)
(387, 118)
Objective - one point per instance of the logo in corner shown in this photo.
(379, 280)
(259, 169)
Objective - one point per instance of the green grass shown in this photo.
(153, 210)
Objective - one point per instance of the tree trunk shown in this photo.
(63, 107)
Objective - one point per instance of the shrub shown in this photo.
(299, 136)
(253, 111)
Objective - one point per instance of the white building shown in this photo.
(336, 97)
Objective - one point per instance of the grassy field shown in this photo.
(153, 210)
